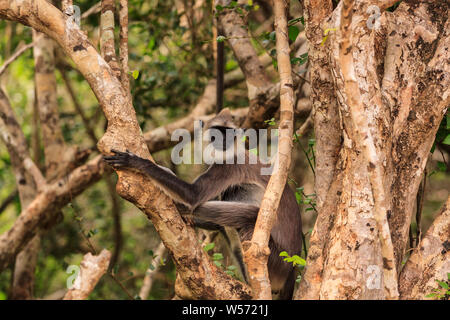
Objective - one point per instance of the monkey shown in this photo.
(229, 195)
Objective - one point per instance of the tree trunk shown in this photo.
(392, 83)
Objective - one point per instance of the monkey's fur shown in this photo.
(229, 195)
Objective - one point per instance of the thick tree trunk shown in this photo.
(392, 84)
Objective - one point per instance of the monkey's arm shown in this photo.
(204, 188)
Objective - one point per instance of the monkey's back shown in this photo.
(286, 232)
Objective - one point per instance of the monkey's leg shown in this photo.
(235, 245)
(231, 215)
(227, 213)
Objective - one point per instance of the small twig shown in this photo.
(149, 274)
(17, 55)
(305, 126)
(123, 44)
(94, 9)
(107, 46)
(8, 200)
(121, 285)
(84, 118)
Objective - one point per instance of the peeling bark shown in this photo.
(430, 261)
(400, 81)
(92, 268)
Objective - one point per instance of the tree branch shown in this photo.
(430, 261)
(123, 48)
(123, 132)
(92, 268)
(256, 252)
(54, 197)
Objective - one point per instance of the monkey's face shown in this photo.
(220, 132)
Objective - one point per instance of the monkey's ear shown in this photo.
(225, 112)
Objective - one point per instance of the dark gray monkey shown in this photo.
(229, 195)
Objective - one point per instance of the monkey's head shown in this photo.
(223, 120)
(217, 129)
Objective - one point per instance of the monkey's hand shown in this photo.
(127, 160)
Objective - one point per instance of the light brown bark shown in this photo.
(123, 52)
(92, 268)
(397, 77)
(256, 251)
(149, 274)
(364, 138)
(430, 261)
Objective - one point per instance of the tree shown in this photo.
(377, 79)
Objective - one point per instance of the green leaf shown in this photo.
(220, 38)
(135, 74)
(298, 197)
(325, 33)
(230, 65)
(284, 254)
(151, 267)
(230, 273)
(431, 295)
(217, 263)
(447, 139)
(116, 269)
(293, 32)
(442, 284)
(441, 166)
(294, 21)
(209, 246)
(298, 260)
(217, 256)
(151, 44)
(254, 151)
(232, 267)
(272, 36)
